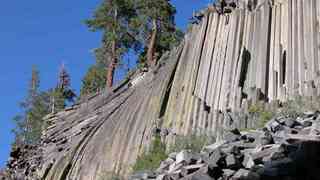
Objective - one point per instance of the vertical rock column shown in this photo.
(272, 59)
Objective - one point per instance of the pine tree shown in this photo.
(113, 18)
(94, 80)
(19, 131)
(23, 122)
(157, 24)
(63, 93)
(36, 105)
(35, 115)
(64, 78)
(144, 26)
(64, 85)
(57, 100)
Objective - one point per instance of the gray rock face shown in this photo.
(260, 50)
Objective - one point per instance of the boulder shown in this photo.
(186, 170)
(307, 124)
(265, 151)
(175, 167)
(173, 155)
(274, 126)
(266, 138)
(248, 161)
(183, 157)
(231, 162)
(232, 136)
(227, 173)
(198, 176)
(289, 122)
(244, 174)
(214, 158)
(315, 128)
(164, 166)
(308, 114)
(280, 167)
(210, 148)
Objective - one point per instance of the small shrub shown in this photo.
(110, 176)
(300, 104)
(261, 113)
(292, 108)
(191, 142)
(265, 116)
(254, 109)
(151, 160)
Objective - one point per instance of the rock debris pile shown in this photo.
(286, 148)
(23, 163)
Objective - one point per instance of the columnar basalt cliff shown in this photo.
(263, 51)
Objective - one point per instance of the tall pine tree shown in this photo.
(94, 80)
(113, 18)
(158, 32)
(36, 105)
(63, 93)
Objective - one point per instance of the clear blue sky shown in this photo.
(45, 34)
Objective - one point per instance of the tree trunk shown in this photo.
(112, 66)
(113, 62)
(151, 47)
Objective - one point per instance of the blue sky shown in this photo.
(46, 34)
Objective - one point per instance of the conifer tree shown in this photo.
(145, 26)
(64, 85)
(36, 105)
(35, 115)
(63, 93)
(64, 78)
(113, 18)
(94, 80)
(156, 20)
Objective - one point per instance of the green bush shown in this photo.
(191, 142)
(255, 108)
(262, 114)
(292, 108)
(265, 116)
(300, 104)
(110, 176)
(151, 160)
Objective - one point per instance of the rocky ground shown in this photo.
(22, 163)
(285, 149)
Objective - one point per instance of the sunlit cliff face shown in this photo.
(227, 62)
